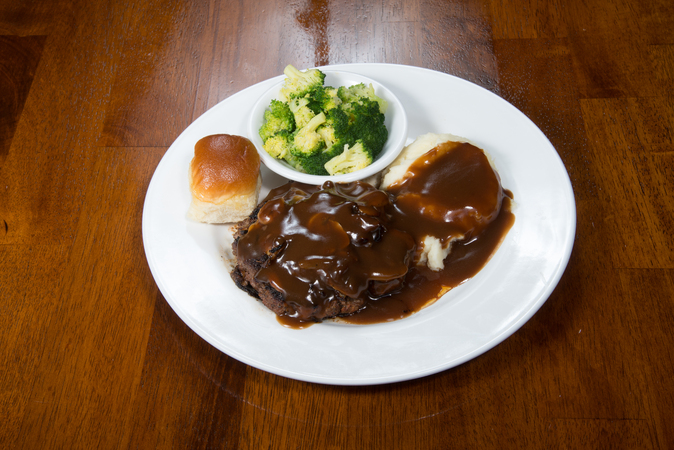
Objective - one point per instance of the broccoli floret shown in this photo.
(355, 94)
(351, 159)
(298, 84)
(323, 98)
(307, 141)
(301, 111)
(315, 163)
(327, 134)
(279, 145)
(337, 119)
(311, 165)
(294, 161)
(277, 118)
(335, 127)
(368, 125)
(331, 100)
(332, 132)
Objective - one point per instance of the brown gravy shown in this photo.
(424, 286)
(451, 193)
(327, 241)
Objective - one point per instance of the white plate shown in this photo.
(186, 258)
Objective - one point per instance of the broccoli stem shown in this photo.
(291, 72)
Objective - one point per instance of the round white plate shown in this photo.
(187, 259)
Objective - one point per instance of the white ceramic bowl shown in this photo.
(395, 120)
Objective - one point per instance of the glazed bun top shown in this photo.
(223, 166)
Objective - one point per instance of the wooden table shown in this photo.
(93, 93)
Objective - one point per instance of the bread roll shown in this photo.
(224, 178)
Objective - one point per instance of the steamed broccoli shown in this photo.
(301, 111)
(307, 141)
(352, 158)
(354, 94)
(323, 98)
(294, 161)
(334, 133)
(315, 164)
(279, 145)
(327, 134)
(278, 118)
(335, 127)
(368, 125)
(331, 99)
(335, 130)
(298, 84)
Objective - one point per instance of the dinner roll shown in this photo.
(224, 178)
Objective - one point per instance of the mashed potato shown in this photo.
(433, 251)
(396, 171)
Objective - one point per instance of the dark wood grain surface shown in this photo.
(94, 92)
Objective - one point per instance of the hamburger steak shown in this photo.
(316, 252)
